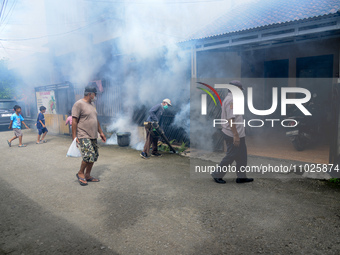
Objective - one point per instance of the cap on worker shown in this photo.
(168, 101)
(236, 83)
(91, 89)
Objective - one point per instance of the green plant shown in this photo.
(165, 147)
(182, 148)
(334, 180)
(8, 81)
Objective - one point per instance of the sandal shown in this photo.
(82, 181)
(9, 144)
(23, 145)
(92, 180)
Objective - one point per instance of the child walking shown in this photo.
(16, 120)
(69, 122)
(41, 125)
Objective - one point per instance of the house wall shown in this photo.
(253, 66)
(249, 65)
(253, 61)
(305, 49)
(218, 64)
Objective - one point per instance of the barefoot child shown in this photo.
(16, 120)
(41, 125)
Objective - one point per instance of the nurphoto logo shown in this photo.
(238, 104)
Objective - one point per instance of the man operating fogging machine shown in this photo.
(234, 136)
(152, 123)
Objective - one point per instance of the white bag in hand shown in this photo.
(73, 151)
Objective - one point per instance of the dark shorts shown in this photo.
(89, 149)
(17, 132)
(42, 131)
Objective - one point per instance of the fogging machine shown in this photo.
(158, 131)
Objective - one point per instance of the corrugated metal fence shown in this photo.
(109, 103)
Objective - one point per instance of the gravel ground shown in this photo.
(154, 207)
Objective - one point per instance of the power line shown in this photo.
(3, 13)
(5, 48)
(2, 8)
(11, 9)
(150, 2)
(59, 34)
(48, 24)
(10, 12)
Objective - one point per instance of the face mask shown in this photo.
(94, 99)
(165, 106)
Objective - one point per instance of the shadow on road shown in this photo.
(27, 228)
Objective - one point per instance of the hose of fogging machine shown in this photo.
(158, 129)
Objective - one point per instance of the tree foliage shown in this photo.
(7, 81)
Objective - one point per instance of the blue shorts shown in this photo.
(42, 131)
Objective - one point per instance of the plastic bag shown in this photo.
(73, 151)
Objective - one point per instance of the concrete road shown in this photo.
(153, 207)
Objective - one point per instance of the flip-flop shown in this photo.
(23, 145)
(9, 144)
(92, 180)
(81, 179)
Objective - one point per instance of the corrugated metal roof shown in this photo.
(260, 13)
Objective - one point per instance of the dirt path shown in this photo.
(154, 207)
